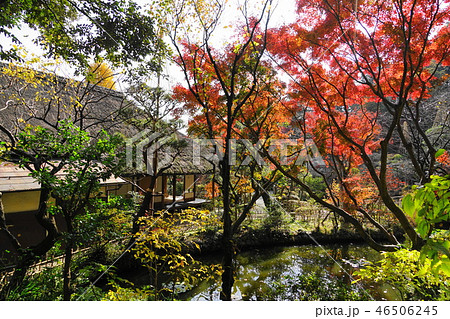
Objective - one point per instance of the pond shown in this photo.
(298, 273)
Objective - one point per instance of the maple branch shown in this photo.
(347, 217)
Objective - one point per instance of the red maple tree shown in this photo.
(360, 72)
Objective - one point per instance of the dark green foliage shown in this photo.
(277, 217)
(70, 167)
(97, 229)
(46, 285)
(115, 30)
(103, 222)
(316, 184)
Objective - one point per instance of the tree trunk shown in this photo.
(227, 240)
(143, 209)
(67, 275)
(147, 204)
(228, 269)
(67, 291)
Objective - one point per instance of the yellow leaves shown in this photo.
(193, 17)
(162, 242)
(237, 48)
(257, 176)
(125, 294)
(20, 72)
(77, 104)
(167, 234)
(101, 74)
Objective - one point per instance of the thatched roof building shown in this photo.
(16, 179)
(38, 98)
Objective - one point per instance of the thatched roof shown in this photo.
(37, 98)
(176, 154)
(185, 159)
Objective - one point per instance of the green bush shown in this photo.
(411, 276)
(277, 218)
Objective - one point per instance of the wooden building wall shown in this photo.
(16, 202)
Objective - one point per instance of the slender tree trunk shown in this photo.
(228, 252)
(227, 240)
(67, 275)
(142, 210)
(147, 204)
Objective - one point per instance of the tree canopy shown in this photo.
(363, 82)
(117, 30)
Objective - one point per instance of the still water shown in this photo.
(272, 274)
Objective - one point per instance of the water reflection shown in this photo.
(269, 274)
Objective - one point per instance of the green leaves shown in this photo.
(408, 205)
(417, 276)
(429, 205)
(439, 153)
(69, 164)
(77, 31)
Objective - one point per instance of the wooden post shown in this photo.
(184, 188)
(195, 187)
(174, 188)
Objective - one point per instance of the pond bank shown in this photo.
(257, 238)
(210, 243)
(270, 262)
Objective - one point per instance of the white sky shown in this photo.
(282, 13)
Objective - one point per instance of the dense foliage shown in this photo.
(345, 106)
(116, 30)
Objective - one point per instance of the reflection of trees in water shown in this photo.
(258, 271)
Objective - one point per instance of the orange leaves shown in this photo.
(340, 131)
(343, 54)
(212, 190)
(360, 187)
(444, 160)
(383, 46)
(232, 87)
